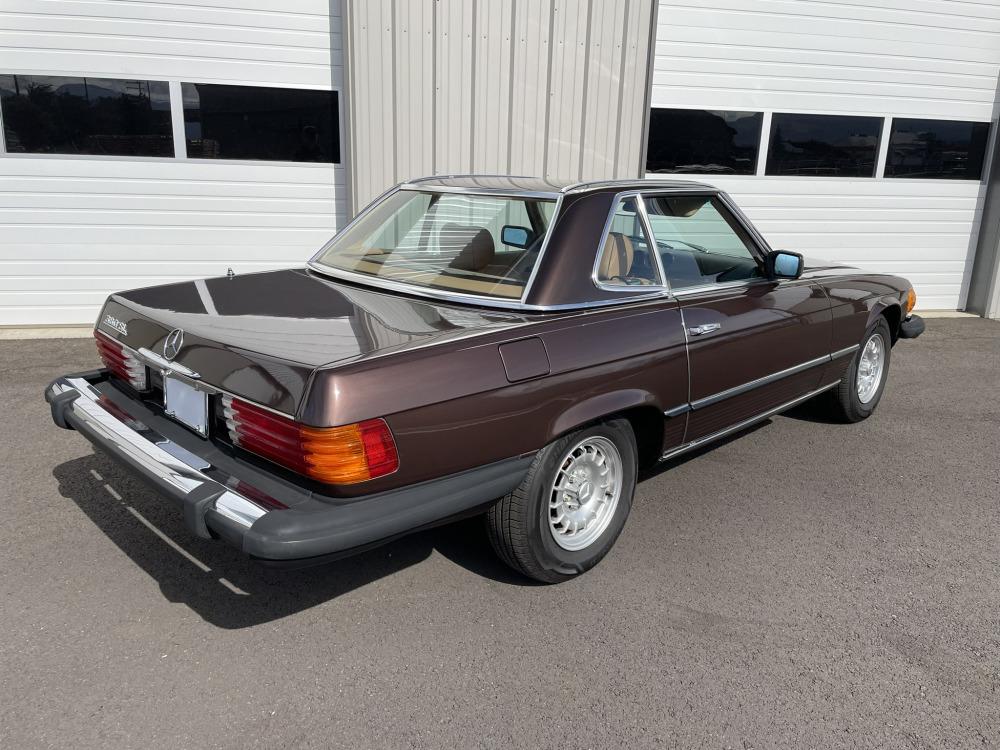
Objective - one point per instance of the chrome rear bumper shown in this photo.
(252, 509)
(171, 468)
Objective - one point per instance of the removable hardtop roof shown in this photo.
(543, 187)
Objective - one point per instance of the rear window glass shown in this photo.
(470, 244)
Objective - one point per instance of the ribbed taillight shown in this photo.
(334, 455)
(118, 359)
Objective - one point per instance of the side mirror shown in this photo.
(516, 236)
(782, 264)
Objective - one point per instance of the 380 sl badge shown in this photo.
(116, 325)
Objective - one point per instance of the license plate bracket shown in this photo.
(186, 404)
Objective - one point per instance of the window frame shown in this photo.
(338, 124)
(663, 284)
(983, 166)
(172, 112)
(877, 149)
(177, 125)
(739, 223)
(765, 119)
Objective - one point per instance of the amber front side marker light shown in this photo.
(911, 301)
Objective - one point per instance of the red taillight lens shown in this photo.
(334, 455)
(118, 359)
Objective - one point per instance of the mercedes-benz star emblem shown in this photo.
(173, 343)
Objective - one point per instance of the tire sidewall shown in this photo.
(860, 409)
(545, 550)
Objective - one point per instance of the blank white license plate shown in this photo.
(187, 405)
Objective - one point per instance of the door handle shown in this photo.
(703, 329)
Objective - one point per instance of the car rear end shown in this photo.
(214, 426)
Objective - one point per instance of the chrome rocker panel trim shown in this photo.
(746, 422)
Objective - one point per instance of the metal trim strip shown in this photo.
(753, 384)
(846, 350)
(746, 422)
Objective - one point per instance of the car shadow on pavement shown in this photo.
(223, 586)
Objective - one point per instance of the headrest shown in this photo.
(616, 260)
(477, 246)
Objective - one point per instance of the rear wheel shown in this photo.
(861, 389)
(571, 506)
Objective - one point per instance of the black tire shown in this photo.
(518, 524)
(846, 405)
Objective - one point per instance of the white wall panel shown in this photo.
(932, 59)
(73, 230)
(227, 41)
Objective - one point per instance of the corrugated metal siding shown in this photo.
(73, 230)
(904, 58)
(537, 87)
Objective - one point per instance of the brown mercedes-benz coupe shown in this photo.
(496, 345)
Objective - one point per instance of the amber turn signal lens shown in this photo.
(335, 455)
(911, 301)
(349, 454)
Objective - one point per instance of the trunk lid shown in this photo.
(262, 335)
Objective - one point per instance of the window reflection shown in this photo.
(71, 115)
(940, 149)
(823, 145)
(261, 123)
(700, 141)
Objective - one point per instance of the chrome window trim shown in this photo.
(502, 303)
(662, 286)
(651, 238)
(549, 195)
(530, 281)
(762, 247)
(638, 184)
(639, 188)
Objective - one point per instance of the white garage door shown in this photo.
(904, 198)
(236, 192)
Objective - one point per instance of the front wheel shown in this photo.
(861, 389)
(572, 505)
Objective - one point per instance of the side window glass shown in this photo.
(698, 241)
(626, 259)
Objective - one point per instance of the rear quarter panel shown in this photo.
(452, 408)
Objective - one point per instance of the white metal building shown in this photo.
(856, 130)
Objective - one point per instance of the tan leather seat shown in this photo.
(616, 260)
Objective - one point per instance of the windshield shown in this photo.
(472, 244)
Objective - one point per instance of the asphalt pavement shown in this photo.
(804, 584)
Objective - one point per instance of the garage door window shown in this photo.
(939, 149)
(96, 116)
(823, 145)
(698, 141)
(260, 123)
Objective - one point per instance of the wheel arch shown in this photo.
(639, 407)
(889, 309)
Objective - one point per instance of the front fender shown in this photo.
(889, 306)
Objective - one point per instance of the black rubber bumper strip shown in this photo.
(912, 327)
(312, 528)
